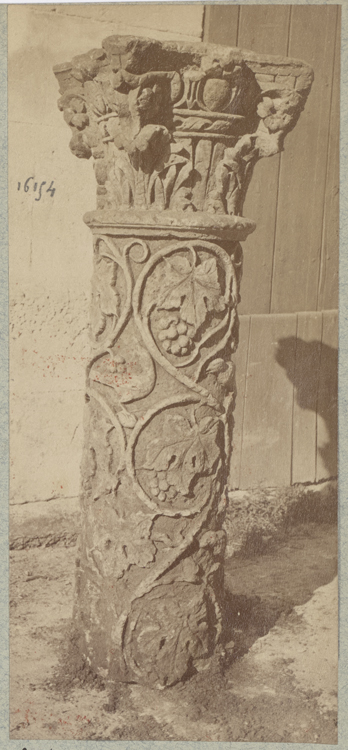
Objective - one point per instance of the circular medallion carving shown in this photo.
(167, 630)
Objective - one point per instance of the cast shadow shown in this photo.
(314, 376)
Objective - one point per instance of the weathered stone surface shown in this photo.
(175, 131)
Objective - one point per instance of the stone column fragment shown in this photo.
(174, 131)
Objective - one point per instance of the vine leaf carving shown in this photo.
(193, 289)
(193, 450)
(105, 298)
(132, 376)
(119, 547)
(153, 637)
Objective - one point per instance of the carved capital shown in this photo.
(174, 131)
(178, 126)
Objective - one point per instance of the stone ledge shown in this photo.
(253, 519)
(44, 524)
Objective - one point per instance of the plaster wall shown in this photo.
(50, 247)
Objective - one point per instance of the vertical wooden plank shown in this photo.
(264, 29)
(260, 206)
(328, 284)
(221, 24)
(267, 426)
(328, 398)
(303, 166)
(306, 381)
(240, 359)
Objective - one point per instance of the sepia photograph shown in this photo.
(173, 231)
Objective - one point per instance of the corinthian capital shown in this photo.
(178, 126)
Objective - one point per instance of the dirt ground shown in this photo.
(277, 684)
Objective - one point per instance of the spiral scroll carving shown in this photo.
(168, 453)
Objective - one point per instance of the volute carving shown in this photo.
(174, 131)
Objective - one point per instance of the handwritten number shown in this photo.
(51, 189)
(26, 184)
(41, 186)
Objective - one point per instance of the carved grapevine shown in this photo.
(174, 131)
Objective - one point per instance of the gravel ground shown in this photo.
(278, 683)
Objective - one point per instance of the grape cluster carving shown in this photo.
(189, 291)
(183, 450)
(175, 335)
(160, 487)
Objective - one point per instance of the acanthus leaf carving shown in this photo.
(114, 105)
